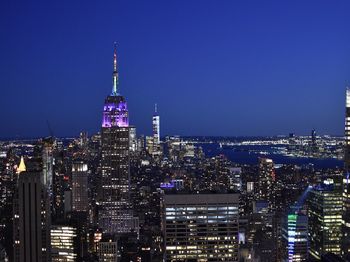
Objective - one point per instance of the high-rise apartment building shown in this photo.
(325, 220)
(266, 181)
(31, 222)
(200, 227)
(115, 213)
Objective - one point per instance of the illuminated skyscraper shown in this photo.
(47, 158)
(313, 142)
(80, 200)
(347, 131)
(115, 213)
(156, 132)
(201, 227)
(156, 126)
(325, 220)
(266, 181)
(235, 178)
(295, 236)
(346, 182)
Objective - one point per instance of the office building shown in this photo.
(325, 220)
(107, 250)
(115, 213)
(250, 187)
(149, 144)
(200, 227)
(80, 198)
(235, 178)
(133, 145)
(295, 236)
(83, 139)
(31, 224)
(63, 243)
(346, 181)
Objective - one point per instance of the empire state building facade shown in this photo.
(115, 214)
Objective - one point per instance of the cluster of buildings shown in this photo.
(116, 196)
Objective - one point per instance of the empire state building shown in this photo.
(115, 214)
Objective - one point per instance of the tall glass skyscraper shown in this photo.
(295, 235)
(115, 212)
(156, 150)
(324, 220)
(156, 126)
(346, 184)
(347, 131)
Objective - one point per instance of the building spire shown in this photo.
(155, 108)
(115, 71)
(22, 166)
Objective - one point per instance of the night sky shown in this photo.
(213, 67)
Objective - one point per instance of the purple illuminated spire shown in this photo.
(115, 110)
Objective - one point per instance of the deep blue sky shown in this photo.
(213, 67)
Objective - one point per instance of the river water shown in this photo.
(250, 154)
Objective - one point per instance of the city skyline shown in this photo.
(238, 55)
(174, 131)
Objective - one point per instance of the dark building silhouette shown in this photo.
(31, 219)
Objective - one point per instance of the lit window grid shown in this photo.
(325, 222)
(62, 244)
(201, 232)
